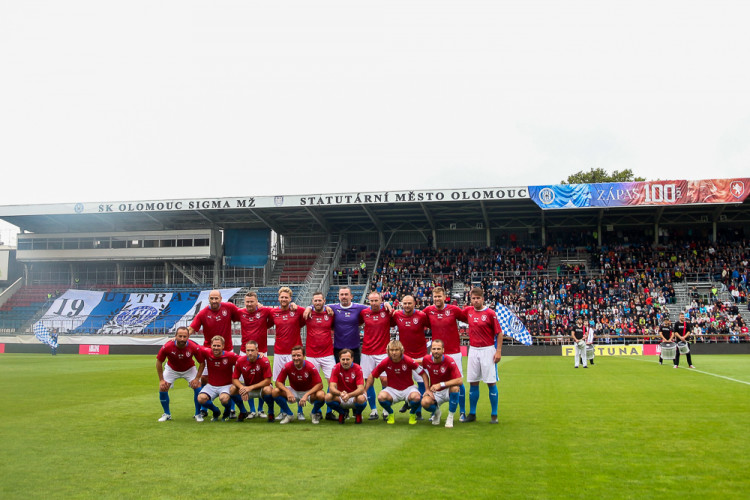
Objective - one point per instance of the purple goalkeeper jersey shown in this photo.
(346, 325)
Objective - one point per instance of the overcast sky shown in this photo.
(108, 101)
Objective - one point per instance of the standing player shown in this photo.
(304, 385)
(179, 353)
(377, 334)
(411, 325)
(682, 331)
(220, 365)
(215, 319)
(252, 378)
(319, 341)
(254, 323)
(577, 333)
(445, 379)
(289, 322)
(347, 388)
(485, 345)
(401, 385)
(444, 320)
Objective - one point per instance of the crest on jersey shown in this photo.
(484, 317)
(224, 361)
(447, 313)
(307, 375)
(442, 369)
(223, 312)
(382, 314)
(257, 315)
(403, 367)
(416, 321)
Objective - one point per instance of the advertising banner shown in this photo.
(655, 193)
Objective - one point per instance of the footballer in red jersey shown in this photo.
(377, 334)
(252, 378)
(401, 387)
(220, 366)
(444, 320)
(178, 353)
(445, 380)
(255, 322)
(486, 342)
(289, 322)
(305, 385)
(319, 340)
(347, 387)
(215, 319)
(411, 326)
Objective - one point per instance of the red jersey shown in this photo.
(219, 368)
(319, 341)
(377, 331)
(399, 374)
(411, 332)
(300, 380)
(347, 380)
(444, 326)
(216, 323)
(483, 326)
(252, 372)
(180, 360)
(444, 371)
(288, 326)
(255, 327)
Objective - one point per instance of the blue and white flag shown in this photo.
(42, 333)
(512, 325)
(115, 313)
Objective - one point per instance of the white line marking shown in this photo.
(698, 371)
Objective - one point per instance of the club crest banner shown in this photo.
(111, 313)
(656, 193)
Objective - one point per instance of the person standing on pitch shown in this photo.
(215, 319)
(179, 353)
(377, 334)
(444, 320)
(445, 379)
(667, 335)
(485, 346)
(289, 322)
(411, 325)
(682, 331)
(255, 321)
(319, 340)
(590, 339)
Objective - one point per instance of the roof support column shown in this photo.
(118, 273)
(544, 231)
(713, 234)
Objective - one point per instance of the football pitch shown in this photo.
(85, 427)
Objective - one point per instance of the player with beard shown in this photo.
(444, 320)
(377, 334)
(255, 321)
(445, 379)
(252, 378)
(347, 388)
(179, 353)
(411, 326)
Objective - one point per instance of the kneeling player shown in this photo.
(304, 385)
(220, 365)
(347, 388)
(255, 372)
(445, 380)
(179, 354)
(401, 386)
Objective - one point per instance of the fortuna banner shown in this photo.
(85, 311)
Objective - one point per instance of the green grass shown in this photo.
(85, 427)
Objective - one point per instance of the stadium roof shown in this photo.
(510, 208)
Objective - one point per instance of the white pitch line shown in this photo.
(698, 371)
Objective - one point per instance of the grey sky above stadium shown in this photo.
(103, 101)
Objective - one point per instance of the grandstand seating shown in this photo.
(24, 304)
